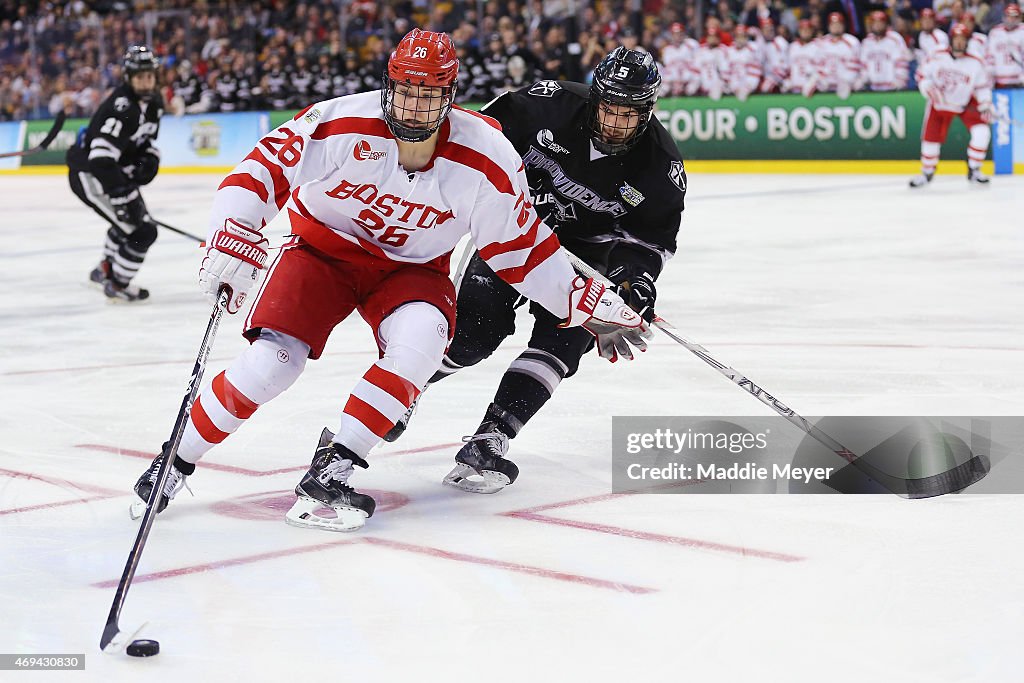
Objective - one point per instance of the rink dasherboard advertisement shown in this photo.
(863, 126)
(912, 457)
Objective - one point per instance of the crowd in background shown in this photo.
(273, 54)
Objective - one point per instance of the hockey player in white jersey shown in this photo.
(711, 65)
(804, 56)
(379, 188)
(977, 45)
(775, 52)
(1005, 50)
(677, 58)
(744, 64)
(930, 39)
(839, 58)
(884, 55)
(956, 86)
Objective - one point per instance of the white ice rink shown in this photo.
(843, 295)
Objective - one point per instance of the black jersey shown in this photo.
(120, 132)
(607, 209)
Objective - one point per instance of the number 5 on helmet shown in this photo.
(234, 258)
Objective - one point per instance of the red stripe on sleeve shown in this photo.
(524, 241)
(401, 389)
(246, 181)
(233, 400)
(371, 418)
(467, 156)
(301, 113)
(540, 253)
(351, 124)
(492, 122)
(281, 186)
(204, 425)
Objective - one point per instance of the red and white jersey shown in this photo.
(743, 68)
(712, 67)
(776, 60)
(1005, 55)
(930, 42)
(334, 168)
(956, 80)
(886, 61)
(803, 65)
(977, 46)
(677, 61)
(839, 60)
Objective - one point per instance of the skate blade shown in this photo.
(465, 478)
(302, 515)
(137, 509)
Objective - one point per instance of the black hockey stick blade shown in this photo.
(181, 232)
(58, 123)
(951, 481)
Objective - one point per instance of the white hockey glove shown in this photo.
(986, 112)
(605, 315)
(234, 258)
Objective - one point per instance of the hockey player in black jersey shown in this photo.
(608, 178)
(111, 159)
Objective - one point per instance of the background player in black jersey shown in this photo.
(111, 159)
(608, 178)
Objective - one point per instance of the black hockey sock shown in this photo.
(521, 396)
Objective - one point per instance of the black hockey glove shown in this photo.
(145, 169)
(636, 287)
(128, 205)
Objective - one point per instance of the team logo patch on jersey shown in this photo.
(547, 139)
(311, 116)
(122, 104)
(362, 152)
(630, 194)
(544, 88)
(677, 175)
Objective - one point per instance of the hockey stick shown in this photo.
(58, 123)
(181, 232)
(111, 630)
(950, 481)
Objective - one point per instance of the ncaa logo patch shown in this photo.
(677, 175)
(544, 88)
(362, 152)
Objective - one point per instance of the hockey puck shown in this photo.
(143, 648)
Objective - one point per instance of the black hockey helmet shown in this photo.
(139, 59)
(625, 77)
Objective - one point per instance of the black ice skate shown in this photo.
(481, 465)
(175, 482)
(922, 180)
(119, 293)
(403, 423)
(975, 176)
(325, 485)
(100, 274)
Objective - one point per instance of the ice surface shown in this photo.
(843, 295)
